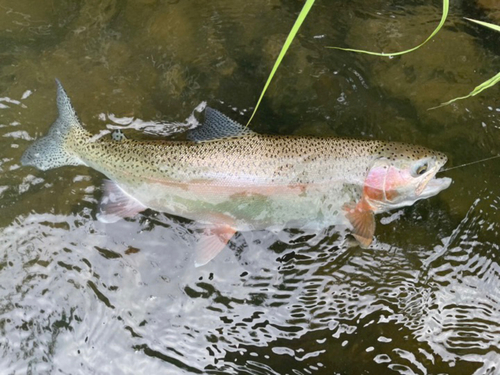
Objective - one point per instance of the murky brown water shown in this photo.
(82, 297)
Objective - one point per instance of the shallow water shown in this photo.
(82, 297)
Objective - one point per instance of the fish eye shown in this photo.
(422, 169)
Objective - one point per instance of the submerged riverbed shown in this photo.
(82, 297)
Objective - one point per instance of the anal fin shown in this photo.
(213, 241)
(117, 204)
(362, 220)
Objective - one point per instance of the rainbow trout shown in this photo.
(232, 179)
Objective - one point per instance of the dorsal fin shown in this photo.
(216, 126)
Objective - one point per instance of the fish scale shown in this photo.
(230, 178)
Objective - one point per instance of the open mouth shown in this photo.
(432, 186)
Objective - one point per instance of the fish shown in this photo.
(230, 178)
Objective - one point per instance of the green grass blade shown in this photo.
(486, 84)
(486, 24)
(483, 86)
(302, 16)
(446, 7)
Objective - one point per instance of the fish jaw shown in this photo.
(434, 186)
(431, 185)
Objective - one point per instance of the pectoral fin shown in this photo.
(116, 204)
(214, 239)
(363, 223)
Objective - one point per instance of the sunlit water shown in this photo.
(82, 297)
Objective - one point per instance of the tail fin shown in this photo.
(49, 152)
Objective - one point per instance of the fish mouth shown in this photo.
(433, 186)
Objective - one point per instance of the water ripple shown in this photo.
(78, 291)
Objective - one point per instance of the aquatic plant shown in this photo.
(446, 8)
(486, 84)
(300, 19)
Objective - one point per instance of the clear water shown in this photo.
(81, 297)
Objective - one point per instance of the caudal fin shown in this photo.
(50, 151)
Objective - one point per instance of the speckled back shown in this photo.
(249, 159)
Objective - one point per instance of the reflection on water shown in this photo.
(80, 297)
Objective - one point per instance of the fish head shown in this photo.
(402, 175)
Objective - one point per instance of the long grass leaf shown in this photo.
(486, 84)
(486, 24)
(483, 86)
(446, 7)
(302, 16)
